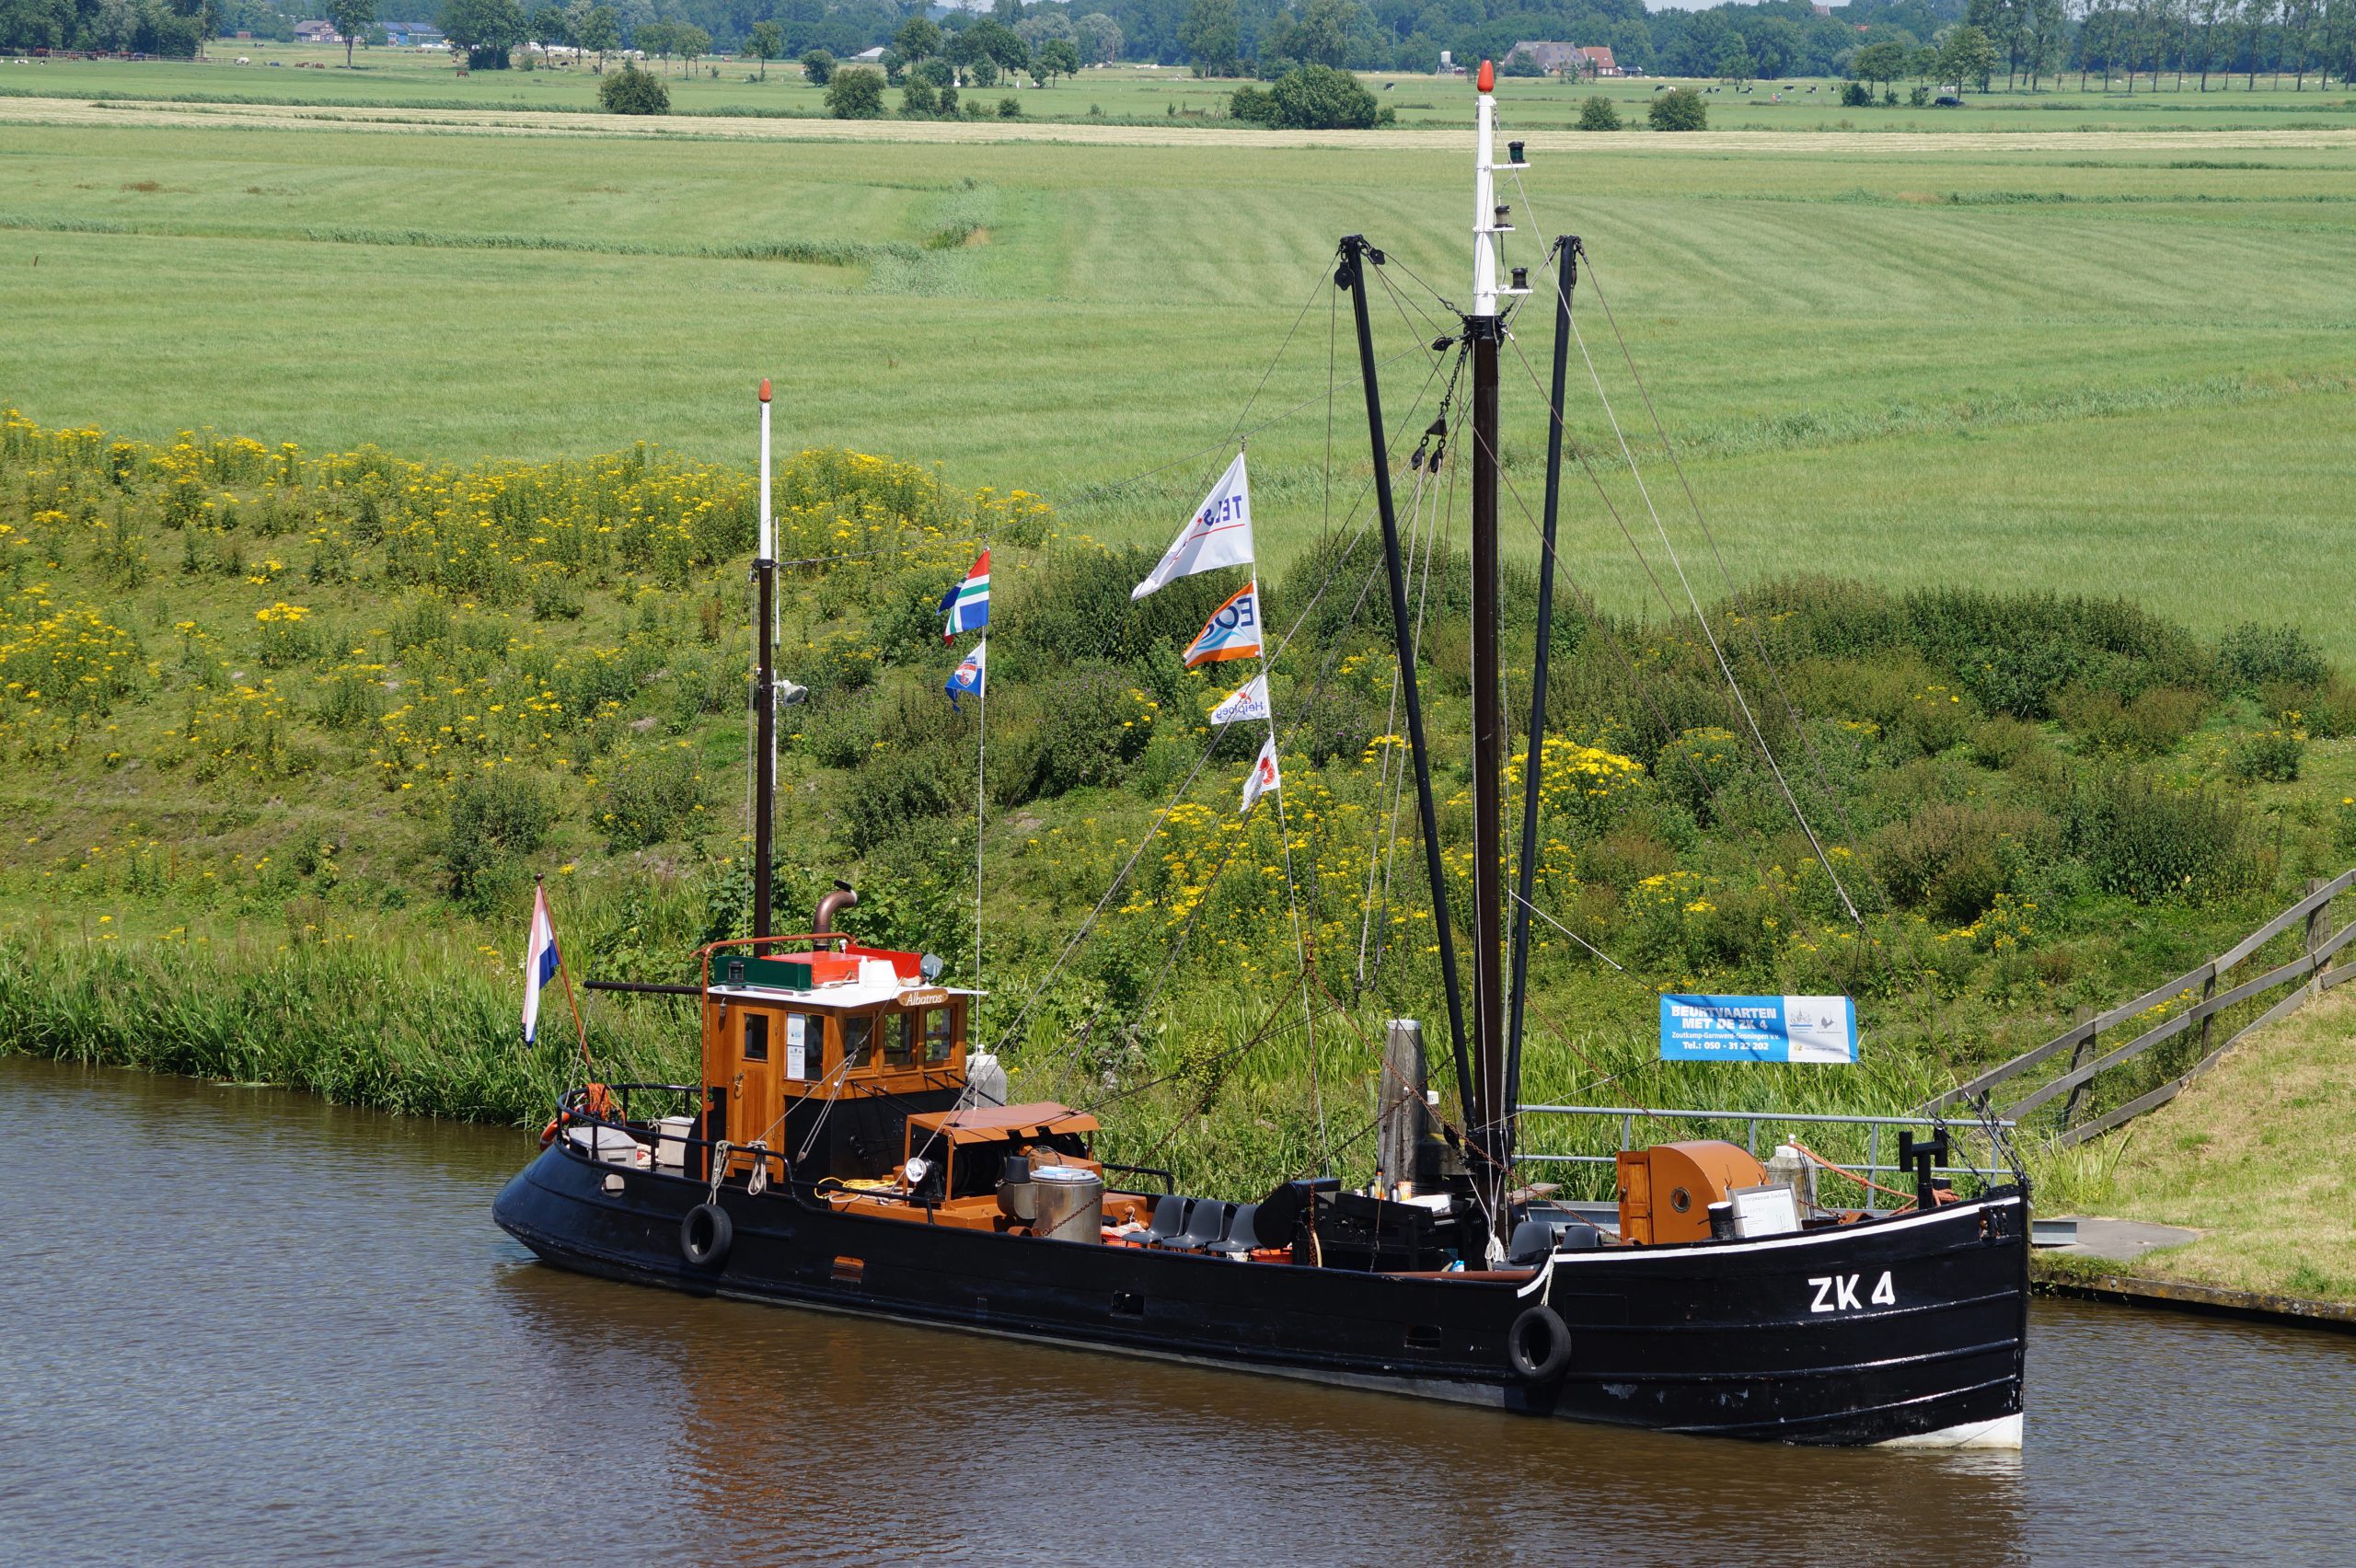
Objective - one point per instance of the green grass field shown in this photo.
(2108, 367)
(304, 74)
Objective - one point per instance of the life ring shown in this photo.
(705, 1235)
(547, 1134)
(1539, 1346)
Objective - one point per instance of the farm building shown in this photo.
(1600, 62)
(1552, 58)
(316, 33)
(405, 35)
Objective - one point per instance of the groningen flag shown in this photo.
(1232, 633)
(1219, 534)
(966, 678)
(540, 961)
(966, 606)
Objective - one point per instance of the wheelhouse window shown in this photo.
(932, 1034)
(899, 1039)
(757, 1037)
(858, 1033)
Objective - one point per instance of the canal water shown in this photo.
(239, 1326)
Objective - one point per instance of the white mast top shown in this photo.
(1485, 197)
(769, 529)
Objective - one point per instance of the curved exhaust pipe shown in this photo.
(841, 898)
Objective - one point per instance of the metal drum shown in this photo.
(1069, 1204)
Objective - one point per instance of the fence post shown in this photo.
(2318, 931)
(2080, 1054)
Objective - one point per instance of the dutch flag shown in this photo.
(540, 961)
(966, 606)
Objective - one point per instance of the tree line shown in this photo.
(2199, 40)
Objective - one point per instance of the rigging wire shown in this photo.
(1701, 618)
(1751, 621)
(1717, 652)
(1120, 878)
(1097, 492)
(1277, 358)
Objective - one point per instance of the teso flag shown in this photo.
(966, 606)
(1232, 633)
(1252, 702)
(1263, 777)
(1219, 534)
(540, 963)
(966, 679)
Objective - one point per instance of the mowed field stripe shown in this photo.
(526, 122)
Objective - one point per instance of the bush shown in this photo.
(819, 70)
(1954, 859)
(1009, 109)
(2330, 713)
(2255, 656)
(855, 95)
(1074, 605)
(898, 790)
(1088, 726)
(632, 91)
(1856, 95)
(1680, 108)
(651, 799)
(1319, 97)
(2271, 757)
(2151, 724)
(1598, 114)
(918, 100)
(1253, 104)
(2146, 843)
(490, 822)
(1697, 766)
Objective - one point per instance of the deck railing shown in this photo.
(2091, 1068)
(1871, 1165)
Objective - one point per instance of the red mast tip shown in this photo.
(765, 388)
(1487, 80)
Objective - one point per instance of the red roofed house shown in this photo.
(1600, 62)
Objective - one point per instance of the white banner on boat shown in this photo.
(1250, 702)
(1219, 534)
(1264, 775)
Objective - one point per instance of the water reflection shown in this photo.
(250, 1328)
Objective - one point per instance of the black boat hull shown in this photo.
(1907, 1329)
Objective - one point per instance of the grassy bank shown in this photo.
(2255, 1155)
(289, 733)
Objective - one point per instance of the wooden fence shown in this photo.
(2308, 974)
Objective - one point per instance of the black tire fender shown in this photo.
(1539, 1344)
(705, 1234)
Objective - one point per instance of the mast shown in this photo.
(1487, 1115)
(764, 688)
(1526, 865)
(1356, 255)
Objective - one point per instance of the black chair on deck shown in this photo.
(1169, 1220)
(1205, 1227)
(1242, 1233)
(1532, 1241)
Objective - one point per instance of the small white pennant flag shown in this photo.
(1250, 702)
(1219, 534)
(1263, 777)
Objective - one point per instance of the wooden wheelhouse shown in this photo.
(818, 1049)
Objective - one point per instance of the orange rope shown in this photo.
(1844, 1171)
